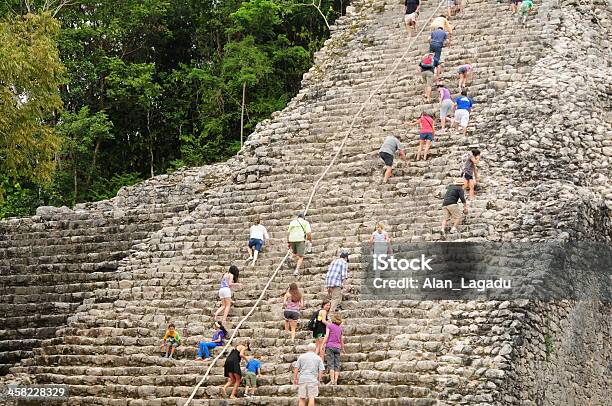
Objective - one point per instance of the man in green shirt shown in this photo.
(299, 233)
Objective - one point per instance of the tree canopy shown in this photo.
(100, 94)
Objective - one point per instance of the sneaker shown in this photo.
(453, 230)
(443, 229)
(296, 273)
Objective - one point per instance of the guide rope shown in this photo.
(312, 194)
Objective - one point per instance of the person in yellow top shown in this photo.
(171, 339)
(443, 22)
(299, 232)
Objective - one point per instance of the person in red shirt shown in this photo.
(426, 134)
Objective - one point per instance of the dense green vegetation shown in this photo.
(98, 94)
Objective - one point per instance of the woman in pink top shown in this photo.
(334, 345)
(426, 135)
(293, 302)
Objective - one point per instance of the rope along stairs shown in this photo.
(312, 194)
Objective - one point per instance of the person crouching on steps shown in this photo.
(387, 152)
(253, 370)
(171, 340)
(450, 209)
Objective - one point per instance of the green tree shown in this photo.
(30, 75)
(81, 132)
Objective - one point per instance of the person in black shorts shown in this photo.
(386, 153)
(232, 370)
(318, 333)
(469, 171)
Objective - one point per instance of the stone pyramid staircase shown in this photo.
(158, 257)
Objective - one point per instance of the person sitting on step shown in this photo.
(258, 235)
(171, 340)
(427, 134)
(450, 209)
(218, 338)
(387, 152)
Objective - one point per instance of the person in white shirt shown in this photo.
(258, 235)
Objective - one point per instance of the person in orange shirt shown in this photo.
(172, 339)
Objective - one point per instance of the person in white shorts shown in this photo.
(228, 280)
(463, 105)
(412, 11)
(307, 374)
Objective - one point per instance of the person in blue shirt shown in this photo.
(253, 369)
(437, 39)
(218, 338)
(463, 105)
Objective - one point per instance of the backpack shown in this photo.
(427, 62)
(312, 323)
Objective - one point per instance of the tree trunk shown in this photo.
(76, 190)
(150, 142)
(93, 164)
(242, 114)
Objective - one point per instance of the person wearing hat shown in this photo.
(337, 273)
(299, 232)
(450, 208)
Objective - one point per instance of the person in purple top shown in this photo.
(334, 345)
(218, 337)
(446, 105)
(437, 39)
